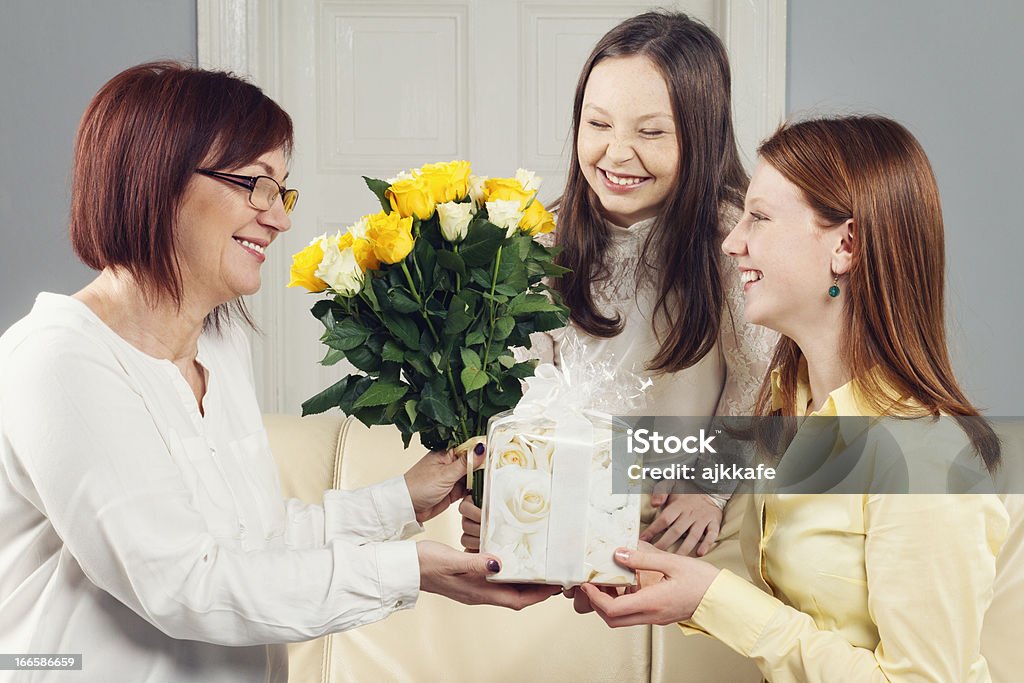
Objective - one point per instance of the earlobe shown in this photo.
(842, 255)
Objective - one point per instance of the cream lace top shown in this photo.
(724, 382)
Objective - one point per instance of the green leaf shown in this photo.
(449, 260)
(473, 378)
(524, 369)
(333, 356)
(460, 313)
(417, 360)
(401, 301)
(474, 338)
(346, 335)
(326, 399)
(371, 415)
(364, 358)
(424, 261)
(379, 187)
(470, 359)
(507, 290)
(435, 404)
(506, 393)
(381, 394)
(554, 270)
(435, 359)
(404, 328)
(481, 244)
(410, 411)
(379, 288)
(322, 308)
(543, 322)
(392, 352)
(531, 303)
(506, 360)
(503, 327)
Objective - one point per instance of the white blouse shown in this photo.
(154, 540)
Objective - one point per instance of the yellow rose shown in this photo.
(304, 265)
(536, 219)
(447, 182)
(365, 257)
(506, 189)
(390, 235)
(411, 197)
(344, 240)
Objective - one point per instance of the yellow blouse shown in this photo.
(851, 587)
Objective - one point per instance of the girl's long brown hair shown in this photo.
(871, 170)
(685, 236)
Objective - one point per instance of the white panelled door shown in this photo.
(379, 87)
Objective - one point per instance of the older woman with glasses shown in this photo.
(144, 525)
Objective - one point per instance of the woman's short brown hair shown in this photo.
(139, 143)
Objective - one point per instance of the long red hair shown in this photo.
(871, 170)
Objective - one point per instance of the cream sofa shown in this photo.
(443, 641)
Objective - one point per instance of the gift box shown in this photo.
(549, 512)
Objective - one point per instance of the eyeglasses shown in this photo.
(263, 190)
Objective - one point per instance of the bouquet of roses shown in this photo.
(428, 297)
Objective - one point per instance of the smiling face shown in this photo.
(786, 257)
(627, 141)
(220, 239)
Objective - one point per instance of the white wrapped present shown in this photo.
(549, 512)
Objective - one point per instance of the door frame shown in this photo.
(243, 36)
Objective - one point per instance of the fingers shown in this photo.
(471, 535)
(710, 536)
(475, 445)
(648, 557)
(470, 511)
(660, 493)
(663, 521)
(476, 564)
(681, 527)
(693, 535)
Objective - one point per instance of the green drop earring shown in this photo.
(833, 291)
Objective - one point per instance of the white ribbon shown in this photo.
(550, 394)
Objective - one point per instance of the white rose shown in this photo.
(339, 269)
(523, 498)
(543, 454)
(402, 175)
(505, 213)
(476, 189)
(514, 453)
(528, 179)
(455, 218)
(359, 228)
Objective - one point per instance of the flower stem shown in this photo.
(451, 379)
(490, 330)
(419, 301)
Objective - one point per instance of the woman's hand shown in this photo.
(438, 480)
(462, 578)
(471, 516)
(670, 588)
(694, 517)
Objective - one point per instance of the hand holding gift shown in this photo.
(549, 511)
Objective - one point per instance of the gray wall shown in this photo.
(948, 69)
(951, 71)
(54, 55)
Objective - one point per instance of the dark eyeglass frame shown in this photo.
(289, 197)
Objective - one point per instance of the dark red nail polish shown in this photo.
(493, 566)
(479, 450)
